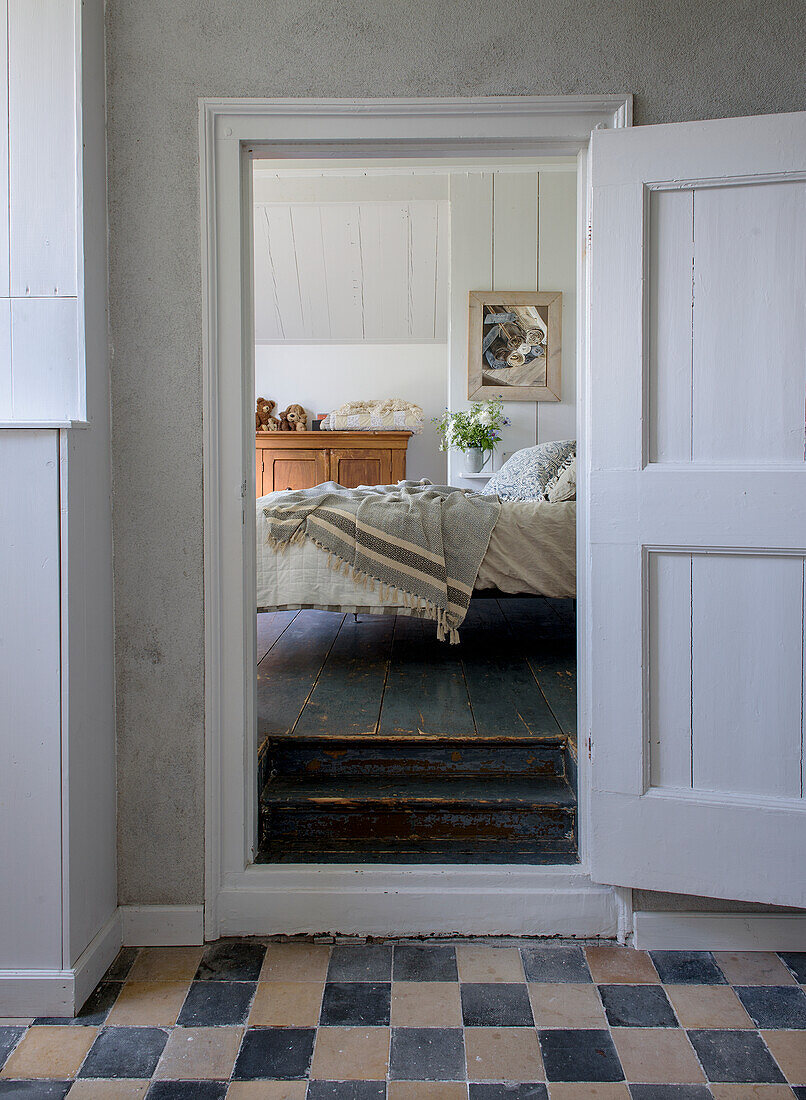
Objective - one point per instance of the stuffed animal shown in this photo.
(264, 421)
(294, 419)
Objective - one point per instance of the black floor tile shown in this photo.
(231, 961)
(356, 1004)
(275, 1053)
(796, 961)
(94, 1011)
(187, 1090)
(34, 1090)
(735, 1056)
(214, 1004)
(369, 962)
(125, 1052)
(799, 1091)
(10, 1035)
(531, 1091)
(347, 1090)
(555, 964)
(774, 1006)
(493, 1004)
(637, 1006)
(670, 1092)
(687, 968)
(429, 963)
(119, 970)
(571, 1055)
(427, 1054)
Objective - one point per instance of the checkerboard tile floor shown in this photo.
(293, 1020)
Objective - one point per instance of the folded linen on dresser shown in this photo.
(424, 541)
(392, 415)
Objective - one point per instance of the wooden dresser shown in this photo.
(298, 460)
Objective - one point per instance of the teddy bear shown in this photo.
(294, 419)
(264, 421)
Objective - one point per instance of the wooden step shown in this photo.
(391, 758)
(417, 852)
(476, 810)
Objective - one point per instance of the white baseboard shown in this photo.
(60, 992)
(410, 901)
(162, 925)
(720, 931)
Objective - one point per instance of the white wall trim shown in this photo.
(231, 132)
(61, 992)
(719, 931)
(407, 900)
(162, 925)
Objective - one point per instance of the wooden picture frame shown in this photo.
(524, 339)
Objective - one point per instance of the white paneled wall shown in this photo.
(41, 373)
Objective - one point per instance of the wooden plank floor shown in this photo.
(513, 675)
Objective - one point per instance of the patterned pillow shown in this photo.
(525, 475)
(564, 485)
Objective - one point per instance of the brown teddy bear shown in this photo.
(264, 421)
(294, 419)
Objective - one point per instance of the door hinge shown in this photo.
(590, 748)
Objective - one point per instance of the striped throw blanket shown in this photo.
(424, 541)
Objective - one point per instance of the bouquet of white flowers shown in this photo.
(478, 427)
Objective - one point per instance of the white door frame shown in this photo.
(241, 897)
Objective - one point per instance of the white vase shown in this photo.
(474, 460)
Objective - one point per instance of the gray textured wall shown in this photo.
(682, 60)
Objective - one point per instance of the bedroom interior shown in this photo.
(392, 728)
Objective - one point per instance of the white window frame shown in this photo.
(240, 896)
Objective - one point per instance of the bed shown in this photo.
(532, 551)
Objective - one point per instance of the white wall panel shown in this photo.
(669, 670)
(385, 266)
(30, 702)
(6, 405)
(43, 147)
(311, 273)
(284, 273)
(557, 270)
(747, 673)
(341, 237)
(4, 204)
(749, 323)
(268, 323)
(671, 268)
(44, 355)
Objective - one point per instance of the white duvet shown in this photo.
(532, 551)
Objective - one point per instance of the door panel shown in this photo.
(293, 469)
(361, 467)
(698, 533)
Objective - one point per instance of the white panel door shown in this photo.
(696, 506)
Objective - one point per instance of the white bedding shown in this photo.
(532, 551)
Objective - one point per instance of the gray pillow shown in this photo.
(525, 475)
(564, 485)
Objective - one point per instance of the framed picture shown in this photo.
(515, 349)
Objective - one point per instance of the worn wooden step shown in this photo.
(538, 810)
(418, 852)
(391, 758)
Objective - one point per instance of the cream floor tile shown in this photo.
(753, 968)
(751, 1092)
(588, 1092)
(47, 1051)
(565, 1004)
(165, 964)
(707, 1006)
(148, 1003)
(287, 1004)
(788, 1048)
(489, 964)
(199, 1054)
(657, 1056)
(610, 965)
(503, 1054)
(426, 1004)
(16, 1021)
(295, 962)
(108, 1090)
(426, 1090)
(267, 1090)
(351, 1054)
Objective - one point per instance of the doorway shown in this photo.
(242, 896)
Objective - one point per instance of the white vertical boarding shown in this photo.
(44, 358)
(284, 275)
(557, 270)
(719, 502)
(749, 369)
(307, 223)
(423, 289)
(6, 390)
(471, 269)
(384, 241)
(30, 703)
(515, 268)
(341, 237)
(442, 272)
(268, 322)
(5, 287)
(42, 147)
(671, 257)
